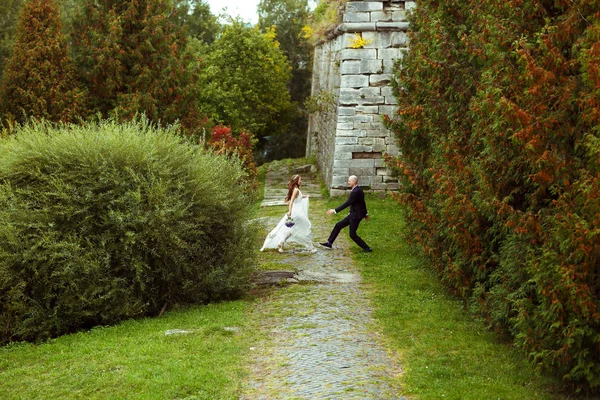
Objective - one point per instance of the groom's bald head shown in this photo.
(352, 181)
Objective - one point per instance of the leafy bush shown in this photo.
(498, 131)
(109, 221)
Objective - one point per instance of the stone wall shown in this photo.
(351, 90)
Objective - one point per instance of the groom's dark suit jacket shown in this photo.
(356, 201)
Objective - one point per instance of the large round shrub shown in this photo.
(108, 221)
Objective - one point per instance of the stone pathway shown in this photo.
(319, 341)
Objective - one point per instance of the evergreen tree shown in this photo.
(200, 23)
(40, 79)
(133, 58)
(9, 15)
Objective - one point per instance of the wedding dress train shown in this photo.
(299, 233)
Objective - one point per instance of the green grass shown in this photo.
(445, 352)
(136, 359)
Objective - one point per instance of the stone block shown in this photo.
(389, 65)
(362, 96)
(375, 125)
(359, 54)
(384, 15)
(392, 26)
(339, 180)
(356, 163)
(347, 111)
(382, 171)
(392, 150)
(354, 16)
(346, 140)
(348, 99)
(371, 66)
(388, 110)
(351, 67)
(338, 192)
(380, 132)
(380, 163)
(362, 172)
(367, 109)
(372, 39)
(354, 81)
(397, 15)
(342, 171)
(340, 155)
(350, 133)
(380, 80)
(371, 128)
(388, 54)
(361, 118)
(352, 148)
(361, 6)
(390, 100)
(387, 91)
(357, 26)
(392, 39)
(342, 126)
(345, 118)
(379, 147)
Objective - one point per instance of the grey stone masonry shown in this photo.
(353, 71)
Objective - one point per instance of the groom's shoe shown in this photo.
(326, 244)
(368, 250)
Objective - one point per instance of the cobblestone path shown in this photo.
(319, 341)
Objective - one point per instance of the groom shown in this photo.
(358, 211)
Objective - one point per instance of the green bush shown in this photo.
(110, 221)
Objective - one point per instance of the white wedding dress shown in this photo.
(300, 233)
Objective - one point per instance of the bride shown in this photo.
(294, 226)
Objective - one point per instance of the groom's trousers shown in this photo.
(353, 223)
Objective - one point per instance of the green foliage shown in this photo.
(326, 16)
(40, 80)
(109, 221)
(9, 15)
(498, 130)
(198, 20)
(133, 58)
(322, 101)
(244, 81)
(288, 17)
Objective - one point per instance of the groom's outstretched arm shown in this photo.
(351, 200)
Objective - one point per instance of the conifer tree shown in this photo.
(132, 55)
(40, 79)
(9, 15)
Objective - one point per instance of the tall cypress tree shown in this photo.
(133, 57)
(40, 80)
